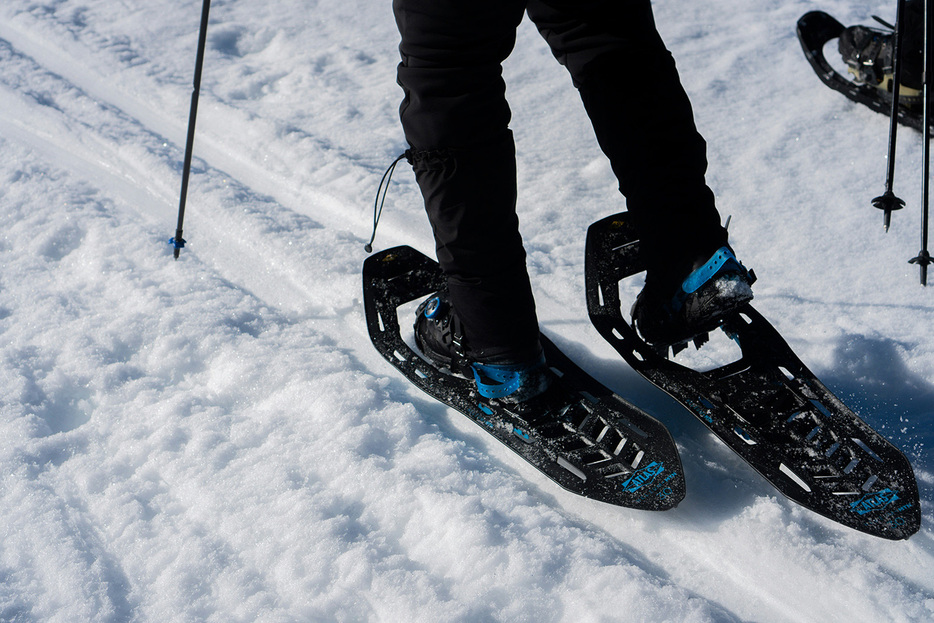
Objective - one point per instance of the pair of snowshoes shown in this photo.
(767, 406)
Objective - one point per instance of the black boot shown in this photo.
(673, 310)
(439, 335)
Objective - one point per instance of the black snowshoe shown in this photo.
(869, 55)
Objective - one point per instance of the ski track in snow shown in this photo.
(215, 439)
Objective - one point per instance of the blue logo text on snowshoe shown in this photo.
(874, 501)
(643, 476)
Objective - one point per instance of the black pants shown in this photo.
(455, 118)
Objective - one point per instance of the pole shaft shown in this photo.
(888, 202)
(926, 145)
(896, 85)
(192, 117)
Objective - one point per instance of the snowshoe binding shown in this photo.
(666, 315)
(869, 54)
(869, 57)
(439, 336)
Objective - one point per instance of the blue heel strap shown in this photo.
(722, 258)
(499, 381)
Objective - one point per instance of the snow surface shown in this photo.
(215, 439)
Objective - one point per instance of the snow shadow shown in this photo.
(870, 375)
(60, 401)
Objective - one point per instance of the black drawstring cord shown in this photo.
(378, 204)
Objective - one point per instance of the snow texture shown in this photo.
(215, 439)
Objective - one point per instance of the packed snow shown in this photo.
(215, 438)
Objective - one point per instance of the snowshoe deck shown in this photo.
(595, 444)
(815, 30)
(767, 406)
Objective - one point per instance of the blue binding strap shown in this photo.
(705, 273)
(499, 381)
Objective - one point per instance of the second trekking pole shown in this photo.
(888, 202)
(924, 258)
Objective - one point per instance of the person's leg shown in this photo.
(455, 118)
(643, 122)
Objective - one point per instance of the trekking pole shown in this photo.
(178, 241)
(888, 201)
(924, 258)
